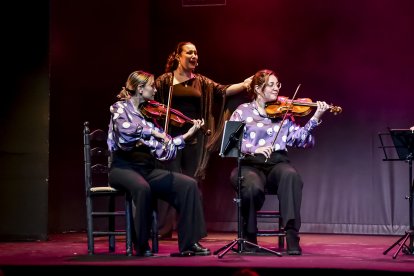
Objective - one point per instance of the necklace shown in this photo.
(181, 77)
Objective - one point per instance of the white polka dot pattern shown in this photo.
(261, 131)
(128, 127)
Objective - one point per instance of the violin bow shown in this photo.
(284, 116)
(167, 114)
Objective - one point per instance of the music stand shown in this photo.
(403, 140)
(230, 147)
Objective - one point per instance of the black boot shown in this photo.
(194, 250)
(143, 250)
(292, 240)
(200, 250)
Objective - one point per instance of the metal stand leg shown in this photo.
(409, 250)
(240, 242)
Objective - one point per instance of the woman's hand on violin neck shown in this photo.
(197, 124)
(266, 151)
(320, 110)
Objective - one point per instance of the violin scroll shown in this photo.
(335, 109)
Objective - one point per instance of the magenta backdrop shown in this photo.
(355, 54)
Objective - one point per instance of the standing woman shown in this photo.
(136, 143)
(196, 96)
(266, 162)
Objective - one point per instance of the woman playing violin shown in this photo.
(136, 142)
(266, 163)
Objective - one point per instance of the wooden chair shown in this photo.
(103, 208)
(278, 231)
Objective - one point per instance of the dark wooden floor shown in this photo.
(323, 254)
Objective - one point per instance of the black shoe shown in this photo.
(292, 241)
(199, 250)
(143, 250)
(297, 251)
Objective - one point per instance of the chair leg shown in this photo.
(281, 230)
(111, 224)
(154, 232)
(281, 242)
(89, 225)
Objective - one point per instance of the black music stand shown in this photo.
(403, 140)
(230, 147)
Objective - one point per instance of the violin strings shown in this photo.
(284, 117)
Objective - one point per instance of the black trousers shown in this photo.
(146, 183)
(186, 162)
(277, 176)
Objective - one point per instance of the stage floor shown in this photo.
(327, 254)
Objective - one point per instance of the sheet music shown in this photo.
(397, 144)
(403, 140)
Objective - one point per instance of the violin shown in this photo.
(155, 110)
(298, 107)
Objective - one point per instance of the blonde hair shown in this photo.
(135, 80)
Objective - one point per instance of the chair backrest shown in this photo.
(98, 160)
(103, 203)
(97, 157)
